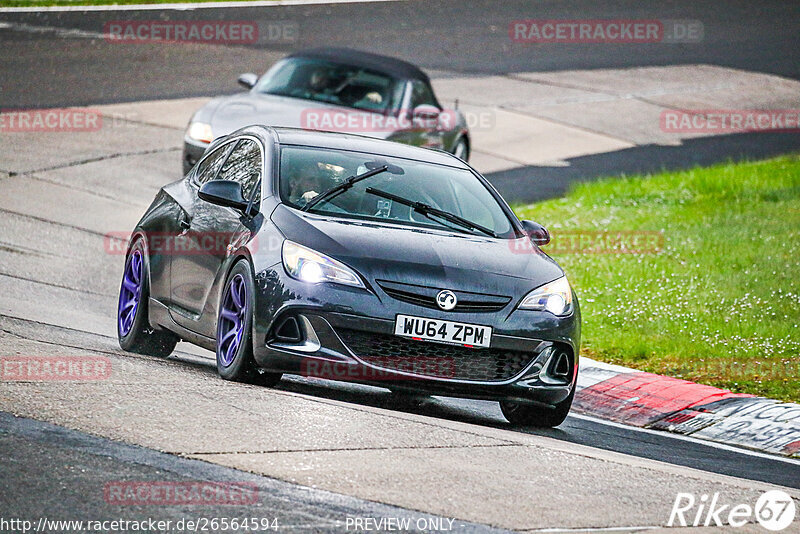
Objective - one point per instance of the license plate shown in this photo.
(473, 335)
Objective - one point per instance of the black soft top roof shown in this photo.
(388, 65)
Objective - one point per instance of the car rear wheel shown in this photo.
(133, 329)
(234, 330)
(519, 414)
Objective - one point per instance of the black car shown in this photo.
(352, 258)
(335, 89)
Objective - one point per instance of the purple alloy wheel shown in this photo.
(231, 320)
(130, 293)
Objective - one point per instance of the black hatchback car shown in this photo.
(351, 258)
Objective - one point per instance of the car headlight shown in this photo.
(555, 297)
(200, 131)
(309, 266)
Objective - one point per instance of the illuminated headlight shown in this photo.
(200, 131)
(555, 297)
(312, 267)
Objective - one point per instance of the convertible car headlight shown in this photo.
(312, 267)
(200, 131)
(555, 297)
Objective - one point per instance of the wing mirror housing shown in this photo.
(426, 112)
(224, 193)
(248, 80)
(536, 232)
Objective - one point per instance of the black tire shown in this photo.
(519, 414)
(242, 368)
(142, 338)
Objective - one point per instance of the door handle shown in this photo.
(184, 222)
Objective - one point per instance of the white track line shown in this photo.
(186, 6)
(61, 32)
(596, 529)
(717, 445)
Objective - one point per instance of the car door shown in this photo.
(210, 233)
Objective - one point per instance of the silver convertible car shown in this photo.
(339, 90)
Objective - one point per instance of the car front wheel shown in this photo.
(461, 150)
(234, 330)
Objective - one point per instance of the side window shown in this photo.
(243, 166)
(209, 167)
(421, 94)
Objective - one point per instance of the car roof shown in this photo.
(388, 65)
(359, 143)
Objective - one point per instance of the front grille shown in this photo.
(434, 360)
(426, 297)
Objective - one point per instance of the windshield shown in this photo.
(306, 172)
(332, 83)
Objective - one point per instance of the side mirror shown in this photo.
(536, 232)
(248, 80)
(426, 112)
(223, 193)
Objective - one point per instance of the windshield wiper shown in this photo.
(342, 187)
(426, 209)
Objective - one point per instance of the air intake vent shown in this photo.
(561, 366)
(435, 360)
(289, 330)
(426, 297)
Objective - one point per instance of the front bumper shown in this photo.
(348, 334)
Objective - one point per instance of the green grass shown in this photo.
(720, 304)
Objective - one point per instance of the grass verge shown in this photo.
(720, 302)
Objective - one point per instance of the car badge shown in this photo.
(446, 300)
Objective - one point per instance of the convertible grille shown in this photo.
(434, 360)
(426, 297)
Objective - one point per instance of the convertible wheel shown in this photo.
(133, 330)
(234, 331)
(530, 415)
(461, 150)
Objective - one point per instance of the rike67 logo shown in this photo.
(774, 510)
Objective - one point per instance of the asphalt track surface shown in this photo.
(441, 35)
(43, 67)
(39, 457)
(47, 68)
(82, 462)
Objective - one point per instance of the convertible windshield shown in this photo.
(391, 194)
(332, 83)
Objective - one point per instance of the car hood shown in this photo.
(422, 256)
(228, 114)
